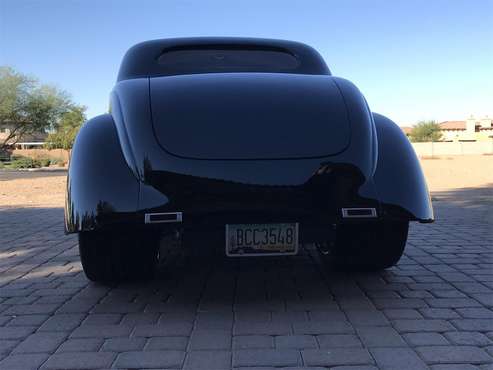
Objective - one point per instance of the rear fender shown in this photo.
(399, 180)
(101, 188)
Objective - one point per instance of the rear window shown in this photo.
(217, 59)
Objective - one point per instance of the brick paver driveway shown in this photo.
(433, 310)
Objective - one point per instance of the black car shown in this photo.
(249, 144)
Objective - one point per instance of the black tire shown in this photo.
(369, 247)
(118, 256)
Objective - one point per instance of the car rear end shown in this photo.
(249, 145)
(258, 162)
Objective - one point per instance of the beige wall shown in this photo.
(43, 153)
(453, 148)
(456, 135)
(421, 149)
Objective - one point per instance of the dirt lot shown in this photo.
(32, 189)
(42, 189)
(457, 172)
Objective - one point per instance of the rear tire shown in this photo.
(118, 256)
(371, 246)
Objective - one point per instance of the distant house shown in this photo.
(471, 129)
(28, 141)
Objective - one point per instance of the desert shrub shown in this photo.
(426, 131)
(55, 161)
(44, 162)
(60, 162)
(24, 162)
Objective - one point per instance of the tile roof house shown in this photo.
(472, 129)
(453, 125)
(34, 140)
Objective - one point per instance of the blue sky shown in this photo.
(413, 59)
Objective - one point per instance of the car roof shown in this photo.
(141, 60)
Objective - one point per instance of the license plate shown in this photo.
(245, 240)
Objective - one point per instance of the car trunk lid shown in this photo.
(249, 116)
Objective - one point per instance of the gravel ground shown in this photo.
(457, 172)
(32, 189)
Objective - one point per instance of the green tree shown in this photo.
(27, 107)
(425, 131)
(67, 128)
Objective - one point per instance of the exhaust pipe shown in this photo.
(161, 218)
